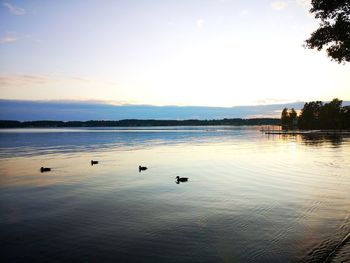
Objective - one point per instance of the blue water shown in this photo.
(250, 197)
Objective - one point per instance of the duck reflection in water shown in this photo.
(181, 179)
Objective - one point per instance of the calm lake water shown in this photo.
(250, 197)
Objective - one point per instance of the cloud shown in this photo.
(8, 38)
(200, 23)
(21, 79)
(17, 11)
(28, 80)
(279, 5)
(273, 101)
(11, 37)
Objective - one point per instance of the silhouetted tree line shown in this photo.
(318, 115)
(137, 123)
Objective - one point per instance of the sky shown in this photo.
(219, 53)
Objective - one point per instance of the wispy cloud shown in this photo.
(200, 23)
(11, 37)
(273, 101)
(8, 38)
(21, 79)
(17, 80)
(17, 11)
(279, 5)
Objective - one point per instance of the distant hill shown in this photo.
(138, 123)
(82, 111)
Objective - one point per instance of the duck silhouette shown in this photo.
(94, 162)
(142, 168)
(45, 169)
(181, 179)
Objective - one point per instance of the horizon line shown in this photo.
(116, 103)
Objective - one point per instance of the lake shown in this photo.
(250, 197)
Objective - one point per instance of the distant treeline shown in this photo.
(318, 115)
(138, 123)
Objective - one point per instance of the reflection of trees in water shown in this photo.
(319, 140)
(316, 140)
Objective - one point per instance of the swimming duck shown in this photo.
(45, 169)
(181, 179)
(142, 168)
(94, 162)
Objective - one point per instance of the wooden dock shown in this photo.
(312, 132)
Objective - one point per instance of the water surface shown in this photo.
(250, 197)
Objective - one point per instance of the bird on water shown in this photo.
(94, 162)
(181, 179)
(45, 169)
(142, 168)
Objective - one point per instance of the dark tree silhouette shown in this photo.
(310, 115)
(293, 116)
(289, 118)
(330, 115)
(334, 30)
(284, 117)
(345, 117)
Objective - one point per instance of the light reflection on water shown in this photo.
(250, 197)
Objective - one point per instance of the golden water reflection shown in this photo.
(249, 197)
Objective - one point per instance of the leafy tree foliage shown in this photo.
(345, 117)
(310, 115)
(334, 30)
(293, 115)
(331, 116)
(289, 118)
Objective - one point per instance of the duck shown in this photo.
(181, 179)
(142, 168)
(45, 169)
(94, 162)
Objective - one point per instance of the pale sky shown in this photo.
(164, 52)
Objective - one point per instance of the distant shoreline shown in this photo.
(138, 123)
